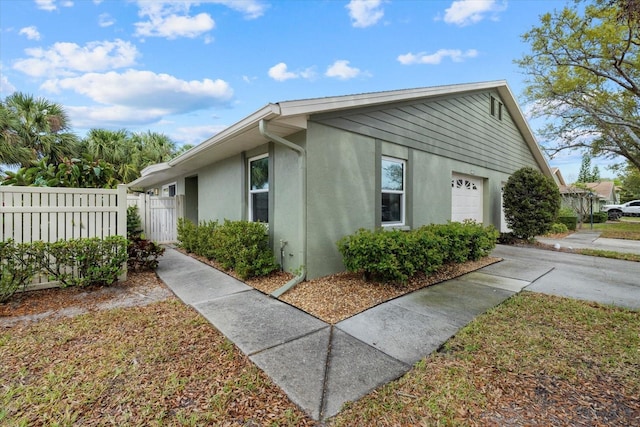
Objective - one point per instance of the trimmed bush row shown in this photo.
(396, 256)
(76, 262)
(241, 246)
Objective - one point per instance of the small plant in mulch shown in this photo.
(143, 254)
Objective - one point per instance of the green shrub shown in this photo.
(143, 254)
(558, 228)
(197, 239)
(134, 228)
(600, 217)
(466, 241)
(569, 221)
(379, 255)
(243, 246)
(531, 203)
(187, 235)
(395, 256)
(567, 211)
(205, 238)
(17, 268)
(76, 262)
(82, 262)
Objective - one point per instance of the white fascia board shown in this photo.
(267, 112)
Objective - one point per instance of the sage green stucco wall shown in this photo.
(286, 196)
(220, 190)
(341, 193)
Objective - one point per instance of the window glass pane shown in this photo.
(391, 207)
(392, 175)
(260, 174)
(260, 207)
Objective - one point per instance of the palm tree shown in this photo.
(41, 127)
(11, 152)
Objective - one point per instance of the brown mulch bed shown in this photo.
(342, 295)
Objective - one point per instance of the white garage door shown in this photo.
(466, 198)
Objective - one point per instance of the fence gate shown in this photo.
(159, 216)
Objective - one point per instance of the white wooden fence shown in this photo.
(159, 215)
(51, 214)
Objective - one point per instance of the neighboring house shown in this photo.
(605, 190)
(578, 196)
(318, 169)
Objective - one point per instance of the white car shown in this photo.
(631, 208)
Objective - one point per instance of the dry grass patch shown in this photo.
(534, 360)
(161, 364)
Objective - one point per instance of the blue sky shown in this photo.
(191, 68)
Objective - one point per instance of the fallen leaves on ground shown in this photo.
(159, 364)
(535, 360)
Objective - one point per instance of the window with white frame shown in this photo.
(393, 191)
(259, 189)
(169, 190)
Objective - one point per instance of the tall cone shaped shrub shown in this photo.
(531, 203)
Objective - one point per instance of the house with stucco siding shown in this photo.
(318, 169)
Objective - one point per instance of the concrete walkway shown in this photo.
(320, 366)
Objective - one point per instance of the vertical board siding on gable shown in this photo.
(460, 128)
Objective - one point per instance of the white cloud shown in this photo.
(69, 58)
(105, 20)
(113, 116)
(50, 5)
(250, 8)
(456, 55)
(465, 12)
(172, 19)
(6, 88)
(341, 70)
(30, 32)
(281, 73)
(194, 135)
(365, 13)
(146, 91)
(173, 26)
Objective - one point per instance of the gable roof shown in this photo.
(604, 189)
(557, 176)
(288, 117)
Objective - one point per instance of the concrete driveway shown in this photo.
(602, 280)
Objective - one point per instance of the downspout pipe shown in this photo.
(302, 163)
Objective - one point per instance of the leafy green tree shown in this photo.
(84, 172)
(129, 153)
(630, 184)
(39, 126)
(531, 203)
(584, 74)
(587, 173)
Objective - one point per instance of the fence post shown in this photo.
(122, 222)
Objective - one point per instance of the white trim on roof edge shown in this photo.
(158, 173)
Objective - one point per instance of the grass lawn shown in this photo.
(627, 228)
(535, 359)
